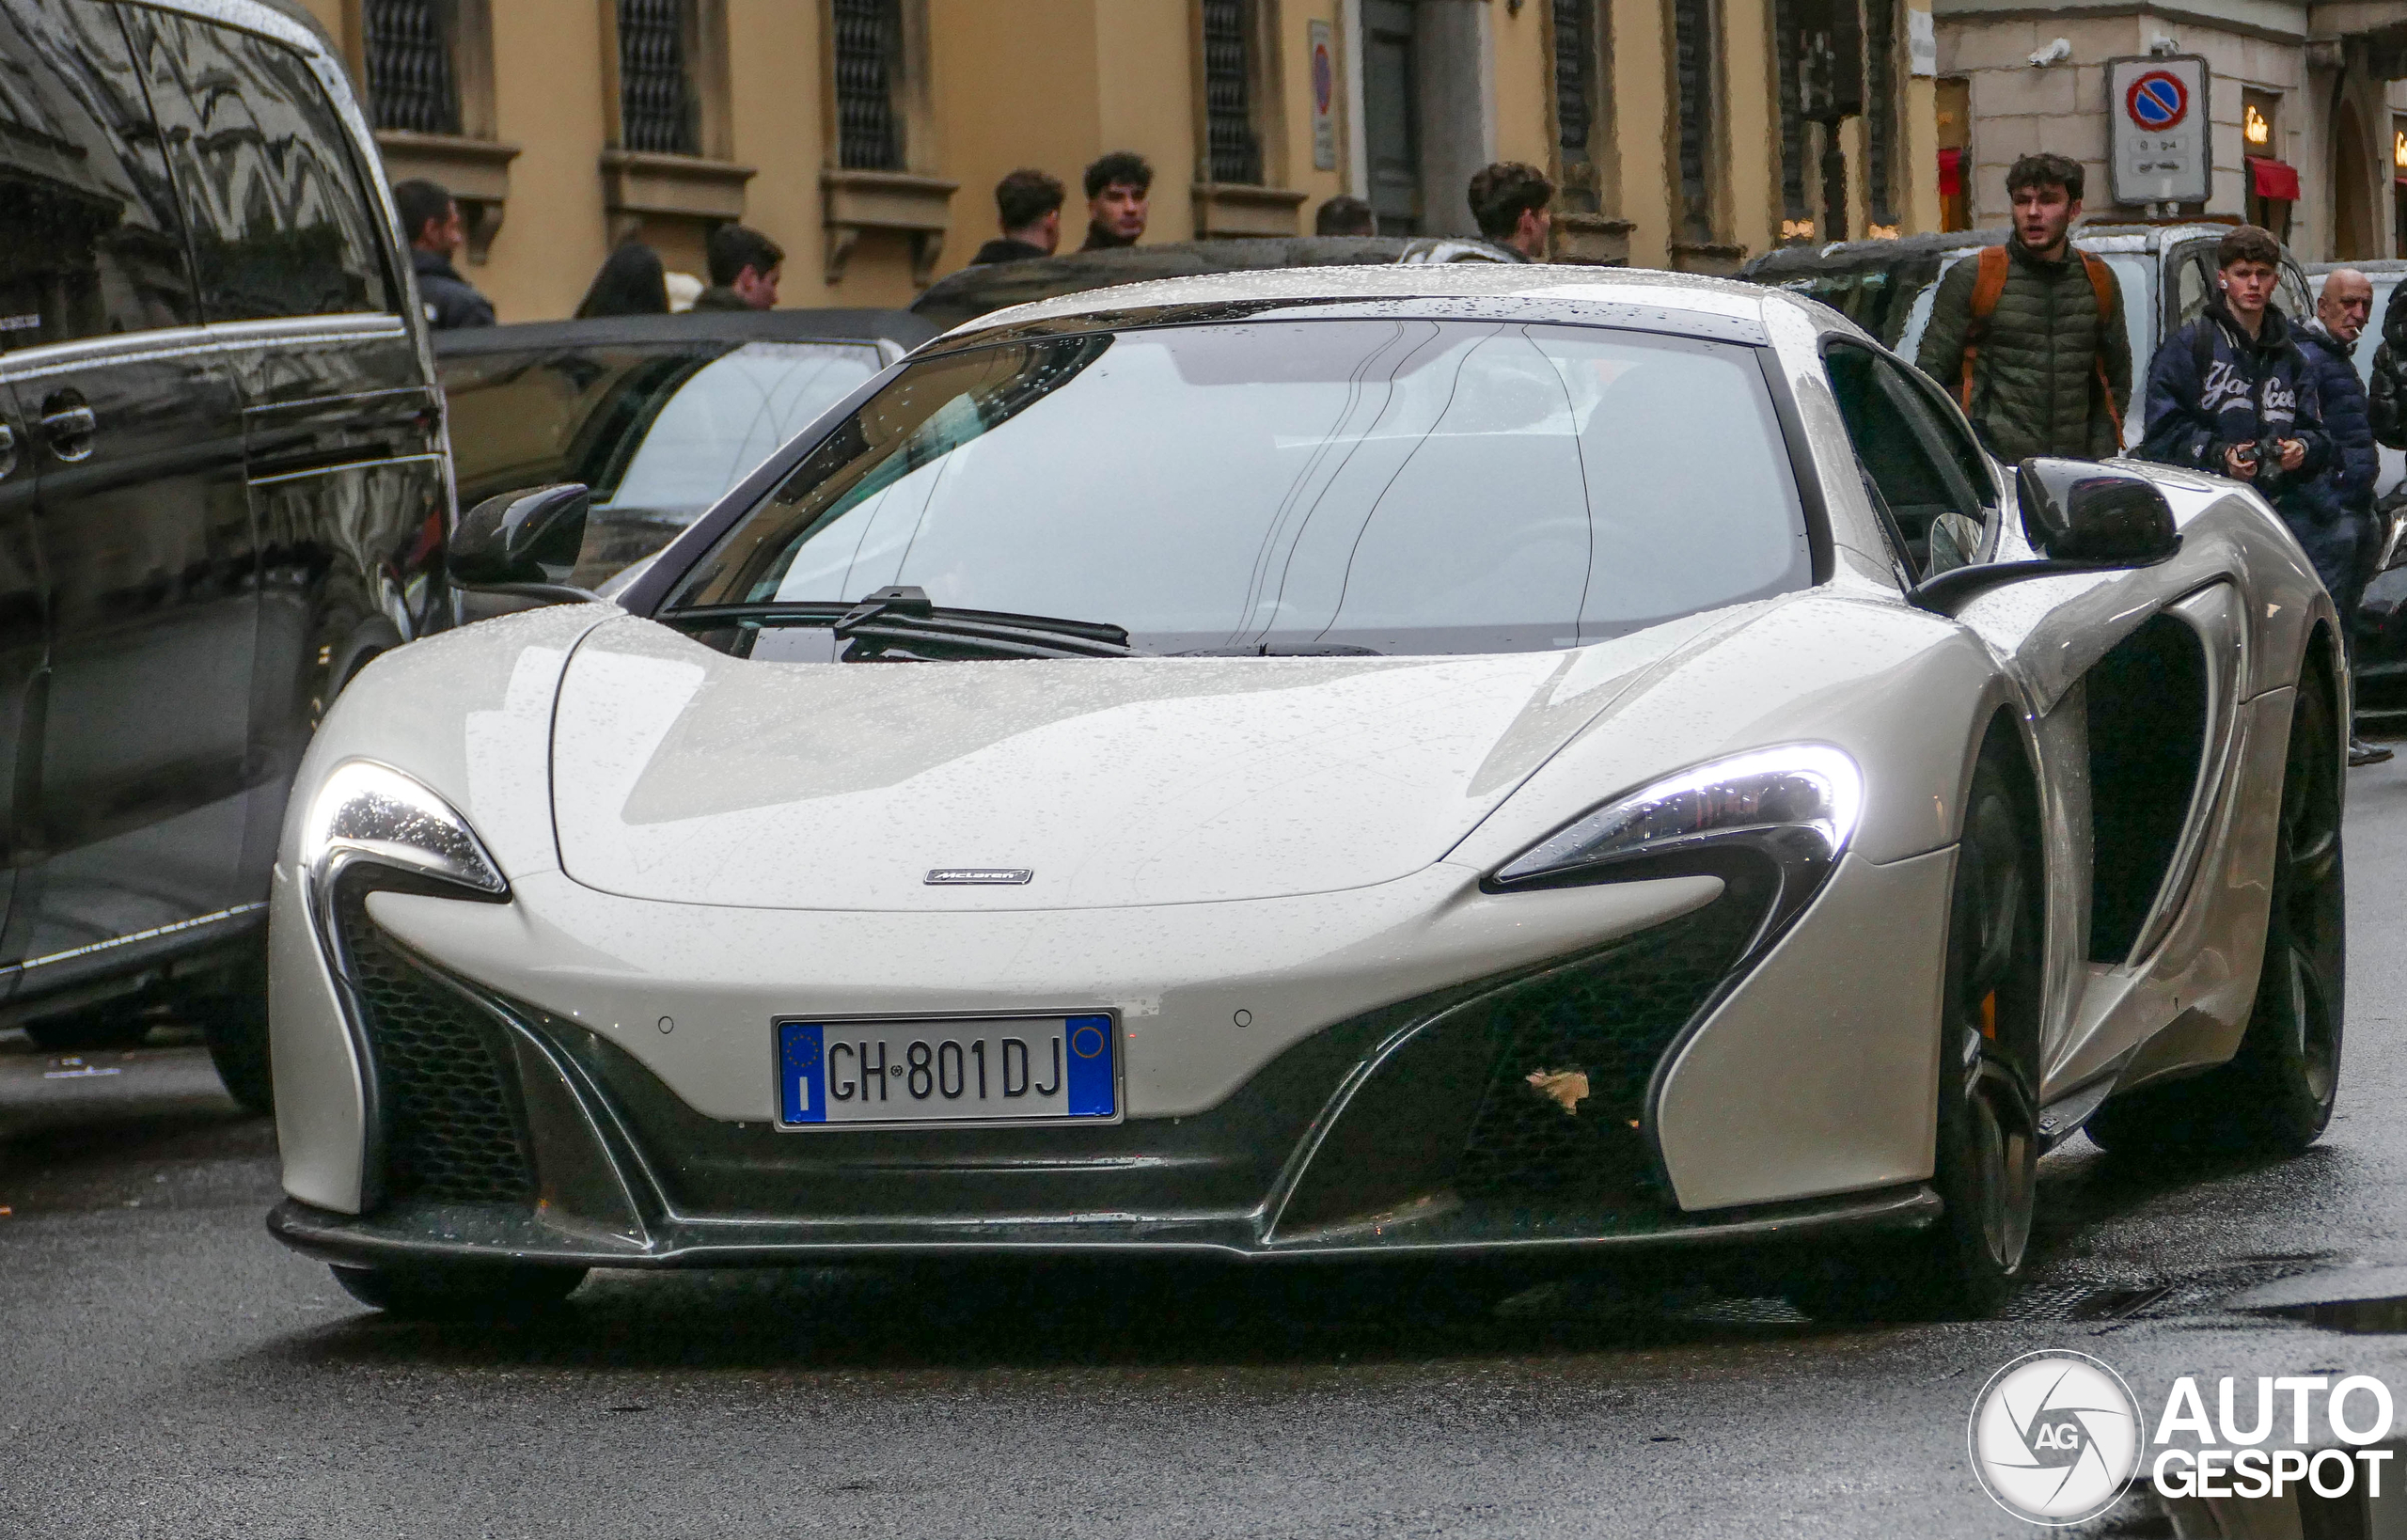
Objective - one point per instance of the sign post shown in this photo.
(2159, 149)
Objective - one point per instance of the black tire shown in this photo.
(232, 1018)
(1965, 1266)
(2275, 1095)
(460, 1291)
(89, 1032)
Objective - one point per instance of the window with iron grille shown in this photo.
(1233, 149)
(657, 107)
(1575, 47)
(408, 49)
(1692, 70)
(869, 52)
(1880, 106)
(1788, 51)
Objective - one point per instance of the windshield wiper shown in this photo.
(902, 622)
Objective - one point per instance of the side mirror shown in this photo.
(508, 541)
(2078, 510)
(2080, 517)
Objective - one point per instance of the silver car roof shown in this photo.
(1726, 298)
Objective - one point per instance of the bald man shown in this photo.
(2340, 530)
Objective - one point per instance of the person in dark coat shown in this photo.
(1346, 215)
(1120, 190)
(1509, 200)
(436, 232)
(744, 266)
(2343, 495)
(2231, 393)
(632, 282)
(1027, 206)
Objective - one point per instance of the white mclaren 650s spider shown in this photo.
(1428, 762)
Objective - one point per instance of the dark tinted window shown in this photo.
(659, 433)
(88, 240)
(1403, 486)
(279, 224)
(1913, 461)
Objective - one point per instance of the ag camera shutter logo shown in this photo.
(2056, 1438)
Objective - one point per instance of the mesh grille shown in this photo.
(409, 65)
(655, 103)
(867, 34)
(1610, 1019)
(449, 1132)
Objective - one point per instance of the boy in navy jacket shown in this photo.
(2231, 393)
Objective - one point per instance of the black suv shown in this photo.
(223, 487)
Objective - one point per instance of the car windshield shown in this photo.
(659, 433)
(1395, 485)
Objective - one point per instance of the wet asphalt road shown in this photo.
(167, 1370)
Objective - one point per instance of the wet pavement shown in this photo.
(167, 1370)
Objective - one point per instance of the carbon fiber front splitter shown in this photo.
(491, 1233)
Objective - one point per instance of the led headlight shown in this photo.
(367, 812)
(1795, 806)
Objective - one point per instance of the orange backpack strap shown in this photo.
(2101, 283)
(1988, 284)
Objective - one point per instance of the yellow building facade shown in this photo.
(866, 136)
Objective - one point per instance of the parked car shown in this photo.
(1886, 287)
(1253, 835)
(658, 416)
(989, 287)
(222, 488)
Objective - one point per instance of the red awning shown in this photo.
(1951, 172)
(2271, 179)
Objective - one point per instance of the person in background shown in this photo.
(1509, 199)
(1119, 187)
(431, 217)
(1346, 215)
(2029, 337)
(1027, 206)
(745, 269)
(2232, 394)
(2343, 495)
(632, 282)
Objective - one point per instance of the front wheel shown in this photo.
(1988, 1155)
(2275, 1095)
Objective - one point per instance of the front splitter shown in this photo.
(491, 1233)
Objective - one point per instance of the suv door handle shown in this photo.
(70, 431)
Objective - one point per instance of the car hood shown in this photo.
(683, 775)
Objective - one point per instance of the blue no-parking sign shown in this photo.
(2157, 111)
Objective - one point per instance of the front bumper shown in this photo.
(492, 1124)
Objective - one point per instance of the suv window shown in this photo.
(90, 243)
(1934, 485)
(279, 224)
(2194, 279)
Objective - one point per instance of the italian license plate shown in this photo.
(996, 1069)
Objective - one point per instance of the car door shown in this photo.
(143, 523)
(2132, 680)
(22, 644)
(305, 303)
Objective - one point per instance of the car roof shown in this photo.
(1842, 256)
(982, 288)
(1169, 300)
(900, 327)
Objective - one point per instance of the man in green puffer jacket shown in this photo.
(2029, 337)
